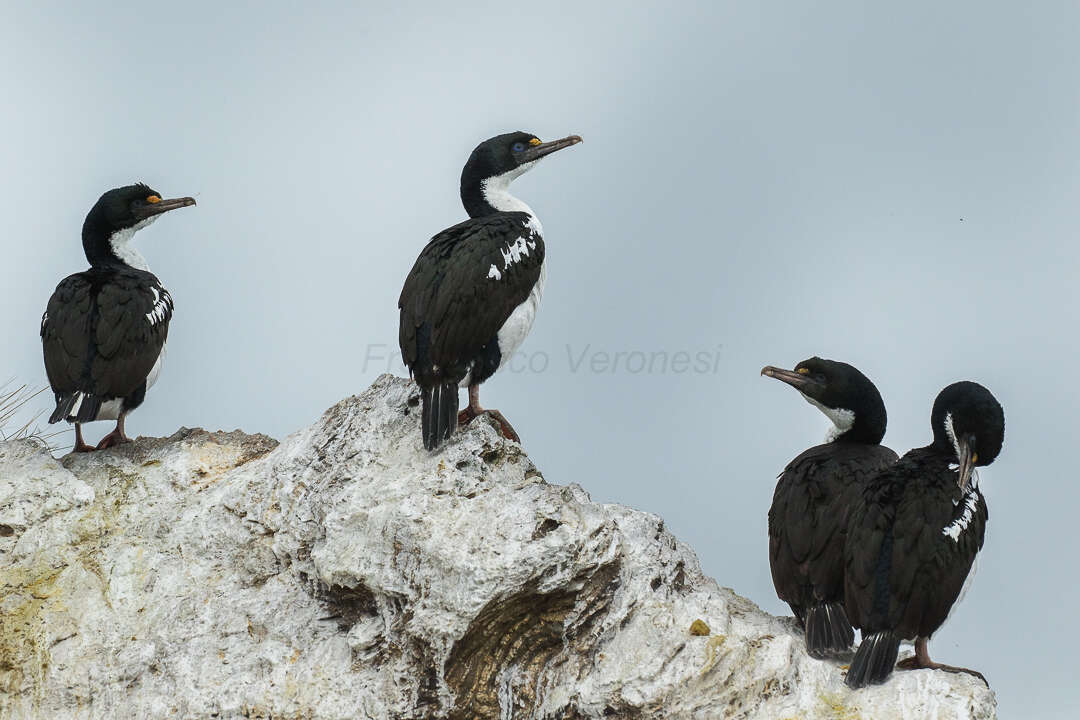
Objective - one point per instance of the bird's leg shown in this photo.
(116, 437)
(80, 444)
(922, 660)
(474, 410)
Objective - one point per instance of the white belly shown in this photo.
(110, 409)
(518, 325)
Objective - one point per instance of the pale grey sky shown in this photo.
(894, 186)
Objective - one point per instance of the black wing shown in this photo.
(808, 519)
(933, 583)
(103, 331)
(461, 290)
(904, 567)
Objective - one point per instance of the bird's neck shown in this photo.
(861, 425)
(867, 427)
(105, 249)
(491, 195)
(857, 433)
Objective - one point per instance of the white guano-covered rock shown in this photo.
(348, 573)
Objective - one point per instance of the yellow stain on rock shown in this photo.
(712, 646)
(24, 645)
(700, 628)
(32, 591)
(836, 707)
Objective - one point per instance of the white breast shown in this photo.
(518, 325)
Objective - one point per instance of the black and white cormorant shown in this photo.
(914, 533)
(807, 520)
(470, 298)
(103, 332)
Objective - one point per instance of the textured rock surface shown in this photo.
(346, 573)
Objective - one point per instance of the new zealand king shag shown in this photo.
(914, 533)
(807, 520)
(103, 332)
(470, 298)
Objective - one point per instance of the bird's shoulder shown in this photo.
(824, 480)
(95, 279)
(485, 248)
(118, 295)
(486, 238)
(919, 498)
(497, 224)
(855, 461)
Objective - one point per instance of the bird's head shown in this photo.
(117, 216)
(842, 393)
(496, 162)
(969, 422)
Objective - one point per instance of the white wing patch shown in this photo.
(163, 305)
(44, 321)
(960, 524)
(522, 247)
(516, 250)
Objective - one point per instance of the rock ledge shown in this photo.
(347, 573)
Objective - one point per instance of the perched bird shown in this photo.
(914, 533)
(808, 517)
(470, 298)
(103, 332)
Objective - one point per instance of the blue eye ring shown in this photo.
(518, 147)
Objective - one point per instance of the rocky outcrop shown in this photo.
(347, 573)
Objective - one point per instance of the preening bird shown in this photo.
(104, 330)
(914, 533)
(808, 516)
(471, 297)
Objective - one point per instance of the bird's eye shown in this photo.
(518, 146)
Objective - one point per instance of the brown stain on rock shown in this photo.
(525, 632)
(24, 646)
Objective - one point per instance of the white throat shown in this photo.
(842, 420)
(121, 244)
(497, 190)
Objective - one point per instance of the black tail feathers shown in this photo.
(438, 413)
(874, 660)
(828, 630)
(76, 407)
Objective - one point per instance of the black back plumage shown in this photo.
(807, 529)
(808, 515)
(904, 572)
(913, 533)
(101, 334)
